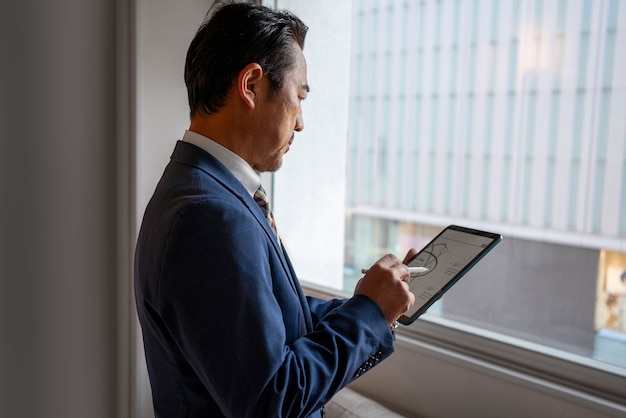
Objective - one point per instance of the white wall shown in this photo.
(164, 31)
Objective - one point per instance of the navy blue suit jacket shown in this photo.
(227, 330)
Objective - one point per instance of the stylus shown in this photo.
(411, 270)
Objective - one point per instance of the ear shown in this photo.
(248, 84)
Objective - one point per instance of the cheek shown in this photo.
(296, 114)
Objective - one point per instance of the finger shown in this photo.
(389, 260)
(411, 300)
(409, 255)
(406, 275)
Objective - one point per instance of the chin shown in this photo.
(274, 165)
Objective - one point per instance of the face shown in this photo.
(280, 116)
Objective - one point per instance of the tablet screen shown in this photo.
(448, 257)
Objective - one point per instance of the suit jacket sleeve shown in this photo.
(320, 307)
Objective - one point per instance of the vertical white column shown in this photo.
(309, 190)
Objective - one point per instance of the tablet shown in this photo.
(448, 257)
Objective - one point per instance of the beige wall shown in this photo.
(64, 217)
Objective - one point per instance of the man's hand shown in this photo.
(387, 284)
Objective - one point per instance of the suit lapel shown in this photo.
(189, 154)
(298, 289)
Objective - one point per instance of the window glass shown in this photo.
(506, 116)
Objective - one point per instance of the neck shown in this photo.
(220, 128)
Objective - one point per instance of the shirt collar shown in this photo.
(239, 168)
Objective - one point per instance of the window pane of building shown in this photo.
(504, 115)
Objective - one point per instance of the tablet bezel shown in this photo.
(496, 238)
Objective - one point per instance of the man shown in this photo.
(227, 330)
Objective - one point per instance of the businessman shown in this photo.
(227, 329)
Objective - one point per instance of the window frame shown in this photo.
(587, 382)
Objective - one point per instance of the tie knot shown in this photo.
(260, 194)
(261, 199)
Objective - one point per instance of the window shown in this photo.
(506, 116)
(500, 115)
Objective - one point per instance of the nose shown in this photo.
(299, 123)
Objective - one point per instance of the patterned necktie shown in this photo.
(261, 199)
